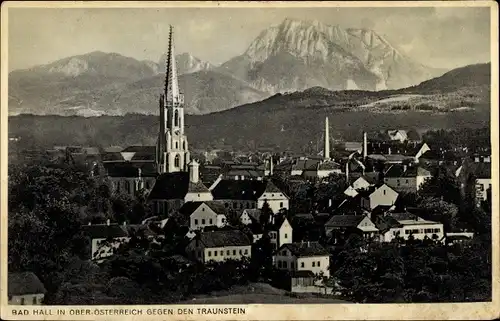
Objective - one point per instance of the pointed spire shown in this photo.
(171, 82)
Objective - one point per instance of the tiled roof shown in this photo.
(345, 220)
(224, 238)
(254, 213)
(104, 231)
(130, 169)
(411, 171)
(24, 283)
(384, 223)
(170, 186)
(306, 249)
(198, 187)
(303, 164)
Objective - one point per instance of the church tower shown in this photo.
(172, 146)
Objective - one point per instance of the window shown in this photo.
(284, 264)
(234, 252)
(215, 253)
(127, 186)
(399, 183)
(176, 145)
(246, 251)
(211, 221)
(203, 222)
(313, 264)
(318, 263)
(384, 191)
(279, 264)
(407, 232)
(34, 300)
(248, 205)
(221, 253)
(302, 264)
(209, 253)
(184, 145)
(176, 118)
(272, 195)
(241, 252)
(22, 301)
(195, 222)
(281, 204)
(228, 252)
(226, 205)
(406, 181)
(223, 220)
(286, 235)
(283, 252)
(203, 209)
(177, 160)
(480, 187)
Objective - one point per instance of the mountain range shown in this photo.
(292, 56)
(457, 99)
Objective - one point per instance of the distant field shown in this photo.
(252, 298)
(257, 293)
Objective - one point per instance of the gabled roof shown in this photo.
(140, 149)
(277, 223)
(306, 249)
(329, 165)
(254, 213)
(345, 220)
(411, 171)
(224, 238)
(385, 223)
(24, 283)
(170, 186)
(113, 149)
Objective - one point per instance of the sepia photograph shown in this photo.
(175, 160)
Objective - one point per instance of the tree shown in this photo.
(436, 209)
(265, 214)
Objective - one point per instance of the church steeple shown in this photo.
(173, 154)
(172, 93)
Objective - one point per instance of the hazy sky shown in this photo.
(438, 37)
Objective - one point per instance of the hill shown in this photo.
(460, 98)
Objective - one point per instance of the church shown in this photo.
(166, 171)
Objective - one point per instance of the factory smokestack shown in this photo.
(327, 140)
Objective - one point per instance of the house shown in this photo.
(219, 246)
(106, 238)
(403, 178)
(303, 256)
(339, 227)
(172, 190)
(249, 216)
(321, 170)
(405, 224)
(25, 288)
(280, 232)
(362, 182)
(375, 196)
(249, 194)
(481, 174)
(202, 214)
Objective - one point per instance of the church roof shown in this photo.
(171, 186)
(130, 169)
(242, 189)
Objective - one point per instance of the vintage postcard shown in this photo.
(249, 160)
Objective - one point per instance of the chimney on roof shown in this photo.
(139, 172)
(405, 167)
(389, 151)
(124, 223)
(326, 155)
(108, 222)
(90, 223)
(308, 244)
